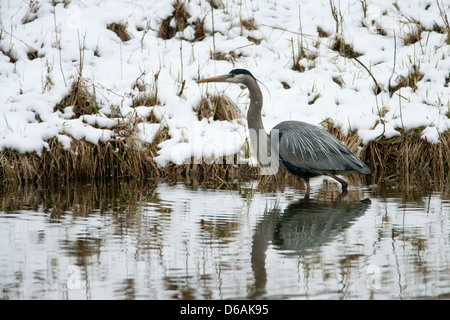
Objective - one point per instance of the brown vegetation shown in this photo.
(80, 98)
(219, 108)
(407, 157)
(344, 49)
(322, 33)
(180, 15)
(411, 80)
(120, 29)
(10, 54)
(230, 56)
(199, 29)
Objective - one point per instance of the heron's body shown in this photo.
(308, 151)
(303, 149)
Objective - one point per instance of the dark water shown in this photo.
(155, 240)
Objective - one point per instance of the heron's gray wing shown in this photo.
(313, 150)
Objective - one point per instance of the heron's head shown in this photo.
(234, 76)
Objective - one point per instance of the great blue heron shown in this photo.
(305, 150)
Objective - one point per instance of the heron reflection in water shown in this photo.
(304, 227)
(302, 149)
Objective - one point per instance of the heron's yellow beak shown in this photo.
(222, 78)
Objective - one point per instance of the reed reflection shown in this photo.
(83, 214)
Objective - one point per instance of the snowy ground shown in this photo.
(44, 47)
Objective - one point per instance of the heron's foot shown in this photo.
(343, 183)
(343, 193)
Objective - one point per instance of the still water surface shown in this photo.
(159, 240)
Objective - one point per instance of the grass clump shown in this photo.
(147, 93)
(32, 12)
(322, 33)
(120, 30)
(119, 158)
(32, 54)
(10, 54)
(199, 29)
(344, 49)
(411, 80)
(414, 35)
(302, 58)
(409, 156)
(180, 15)
(223, 56)
(218, 108)
(248, 24)
(79, 98)
(145, 99)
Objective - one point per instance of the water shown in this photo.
(158, 240)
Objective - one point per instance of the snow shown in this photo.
(73, 38)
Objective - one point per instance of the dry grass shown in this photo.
(411, 80)
(413, 36)
(344, 49)
(145, 99)
(180, 15)
(351, 139)
(249, 24)
(113, 159)
(410, 157)
(80, 98)
(32, 12)
(219, 108)
(223, 56)
(10, 54)
(147, 92)
(199, 29)
(407, 158)
(32, 54)
(322, 33)
(121, 30)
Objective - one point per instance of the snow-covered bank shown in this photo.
(46, 46)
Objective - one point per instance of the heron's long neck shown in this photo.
(260, 141)
(254, 119)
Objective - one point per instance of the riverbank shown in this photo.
(406, 158)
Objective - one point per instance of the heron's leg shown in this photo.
(341, 181)
(308, 187)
